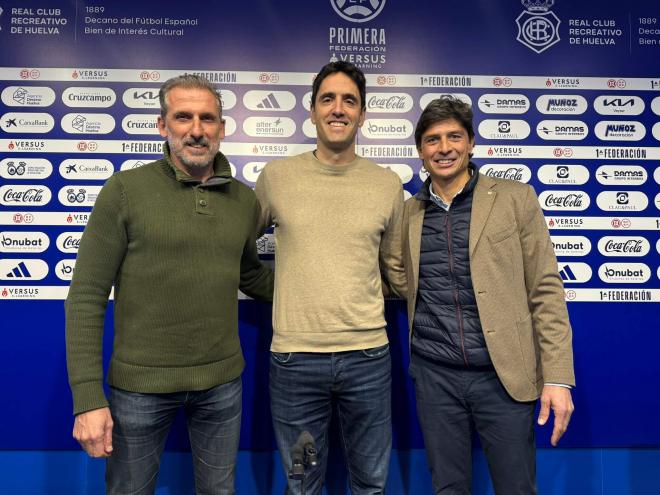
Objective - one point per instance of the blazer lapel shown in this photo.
(482, 203)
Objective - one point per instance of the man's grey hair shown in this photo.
(186, 81)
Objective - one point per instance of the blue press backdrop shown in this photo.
(613, 444)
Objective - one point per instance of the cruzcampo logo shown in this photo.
(358, 10)
(538, 26)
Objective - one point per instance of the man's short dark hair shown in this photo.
(446, 107)
(356, 75)
(186, 81)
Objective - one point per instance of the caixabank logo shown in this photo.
(538, 26)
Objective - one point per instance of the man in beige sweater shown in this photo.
(337, 223)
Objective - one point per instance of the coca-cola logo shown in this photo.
(24, 195)
(71, 242)
(27, 196)
(513, 173)
(629, 246)
(398, 102)
(569, 200)
(389, 102)
(624, 246)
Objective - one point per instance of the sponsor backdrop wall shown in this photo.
(566, 97)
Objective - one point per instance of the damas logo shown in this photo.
(23, 242)
(561, 104)
(139, 123)
(32, 195)
(25, 168)
(28, 96)
(563, 174)
(27, 123)
(521, 173)
(622, 201)
(68, 242)
(503, 103)
(620, 130)
(389, 102)
(624, 273)
(269, 126)
(358, 10)
(612, 175)
(88, 97)
(623, 246)
(88, 123)
(85, 169)
(387, 128)
(78, 195)
(618, 105)
(571, 245)
(562, 130)
(503, 129)
(564, 200)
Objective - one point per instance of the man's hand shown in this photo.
(93, 430)
(559, 399)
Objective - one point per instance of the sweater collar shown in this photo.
(221, 170)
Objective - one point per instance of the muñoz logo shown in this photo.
(538, 27)
(358, 11)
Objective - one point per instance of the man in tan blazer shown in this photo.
(489, 329)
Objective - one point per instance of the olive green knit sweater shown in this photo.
(177, 251)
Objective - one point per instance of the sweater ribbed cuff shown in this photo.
(88, 396)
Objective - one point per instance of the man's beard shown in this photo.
(200, 161)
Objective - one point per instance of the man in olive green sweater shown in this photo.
(176, 237)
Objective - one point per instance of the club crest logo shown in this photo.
(538, 26)
(358, 10)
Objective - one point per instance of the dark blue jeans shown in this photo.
(141, 425)
(454, 402)
(303, 389)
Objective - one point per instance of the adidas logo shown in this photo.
(269, 102)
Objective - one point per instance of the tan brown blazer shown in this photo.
(519, 293)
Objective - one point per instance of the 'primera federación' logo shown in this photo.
(538, 26)
(358, 10)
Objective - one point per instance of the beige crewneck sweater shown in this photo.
(336, 228)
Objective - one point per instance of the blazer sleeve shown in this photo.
(545, 295)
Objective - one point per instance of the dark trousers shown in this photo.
(454, 402)
(303, 388)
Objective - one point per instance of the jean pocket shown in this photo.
(281, 357)
(376, 352)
